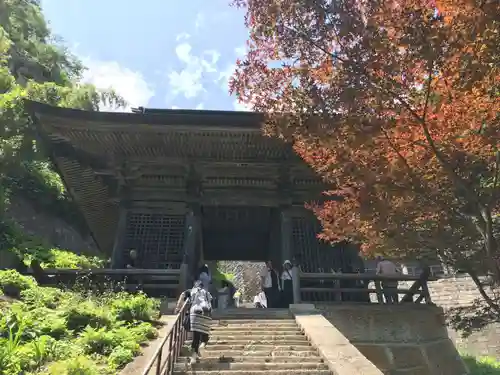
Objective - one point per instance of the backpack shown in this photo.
(200, 300)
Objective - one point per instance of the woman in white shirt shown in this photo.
(286, 284)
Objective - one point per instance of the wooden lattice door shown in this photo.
(158, 239)
(315, 255)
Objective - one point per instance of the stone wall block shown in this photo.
(407, 357)
(443, 359)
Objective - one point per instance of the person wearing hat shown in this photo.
(286, 284)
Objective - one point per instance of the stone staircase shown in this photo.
(254, 342)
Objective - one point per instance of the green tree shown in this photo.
(35, 65)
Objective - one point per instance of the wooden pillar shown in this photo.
(286, 234)
(296, 283)
(117, 257)
(190, 258)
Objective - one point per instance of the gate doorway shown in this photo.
(236, 233)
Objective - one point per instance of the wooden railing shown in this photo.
(315, 287)
(130, 279)
(165, 356)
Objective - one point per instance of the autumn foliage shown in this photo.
(396, 103)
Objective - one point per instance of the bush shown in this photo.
(119, 357)
(79, 365)
(87, 313)
(71, 332)
(482, 365)
(66, 259)
(135, 307)
(13, 283)
(97, 341)
(44, 296)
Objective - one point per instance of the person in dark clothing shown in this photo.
(271, 285)
(131, 261)
(286, 285)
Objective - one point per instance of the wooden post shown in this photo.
(189, 261)
(119, 243)
(380, 294)
(296, 283)
(424, 278)
(286, 235)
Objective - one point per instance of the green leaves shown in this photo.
(34, 66)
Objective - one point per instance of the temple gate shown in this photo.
(180, 186)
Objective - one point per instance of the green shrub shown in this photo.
(9, 360)
(128, 307)
(66, 259)
(48, 322)
(97, 341)
(12, 283)
(79, 365)
(44, 296)
(482, 365)
(87, 313)
(71, 332)
(36, 353)
(143, 332)
(119, 357)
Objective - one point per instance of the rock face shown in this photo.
(52, 229)
(246, 276)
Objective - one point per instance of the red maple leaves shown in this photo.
(394, 102)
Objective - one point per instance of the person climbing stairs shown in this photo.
(252, 342)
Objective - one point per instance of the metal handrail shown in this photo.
(175, 338)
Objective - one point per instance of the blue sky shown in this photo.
(155, 53)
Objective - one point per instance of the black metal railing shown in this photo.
(164, 358)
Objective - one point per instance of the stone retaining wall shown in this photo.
(458, 292)
(446, 293)
(398, 339)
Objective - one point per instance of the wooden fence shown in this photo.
(159, 282)
(359, 287)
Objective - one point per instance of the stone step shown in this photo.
(206, 366)
(243, 341)
(231, 353)
(254, 322)
(255, 330)
(251, 338)
(256, 372)
(251, 314)
(243, 333)
(304, 346)
(265, 358)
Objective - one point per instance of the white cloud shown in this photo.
(188, 81)
(130, 84)
(240, 106)
(227, 73)
(199, 21)
(200, 106)
(240, 51)
(174, 107)
(182, 36)
(225, 76)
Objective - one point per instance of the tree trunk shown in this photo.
(489, 301)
